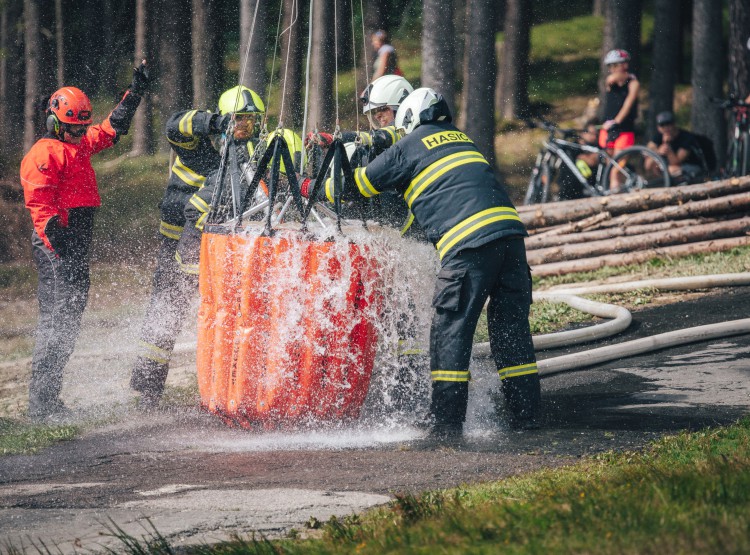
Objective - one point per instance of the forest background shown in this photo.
(496, 62)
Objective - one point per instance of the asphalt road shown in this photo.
(198, 481)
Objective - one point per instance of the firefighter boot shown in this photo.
(523, 401)
(448, 408)
(148, 378)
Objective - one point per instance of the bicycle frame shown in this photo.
(555, 147)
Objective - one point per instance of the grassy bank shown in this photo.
(20, 438)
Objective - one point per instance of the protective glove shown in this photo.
(141, 79)
(57, 235)
(323, 139)
(219, 123)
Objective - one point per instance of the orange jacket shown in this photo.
(57, 176)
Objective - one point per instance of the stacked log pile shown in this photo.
(587, 234)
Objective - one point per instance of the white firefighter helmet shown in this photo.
(388, 90)
(407, 117)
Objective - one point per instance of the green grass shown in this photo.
(19, 438)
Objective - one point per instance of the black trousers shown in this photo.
(62, 294)
(497, 270)
(171, 296)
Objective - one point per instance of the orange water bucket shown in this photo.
(286, 327)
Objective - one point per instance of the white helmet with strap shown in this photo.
(407, 117)
(388, 90)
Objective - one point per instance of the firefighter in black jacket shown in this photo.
(190, 134)
(468, 216)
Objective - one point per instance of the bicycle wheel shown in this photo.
(539, 185)
(638, 168)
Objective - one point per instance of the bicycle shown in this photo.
(640, 167)
(738, 151)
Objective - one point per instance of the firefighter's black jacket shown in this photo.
(448, 185)
(188, 132)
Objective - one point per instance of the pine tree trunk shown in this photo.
(376, 17)
(33, 81)
(208, 51)
(739, 48)
(59, 48)
(174, 72)
(142, 128)
(667, 49)
(253, 61)
(598, 8)
(292, 43)
(622, 30)
(438, 49)
(479, 77)
(322, 115)
(513, 81)
(344, 34)
(707, 74)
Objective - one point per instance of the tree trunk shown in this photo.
(478, 113)
(322, 109)
(59, 44)
(704, 232)
(438, 49)
(597, 8)
(707, 78)
(253, 61)
(7, 150)
(513, 81)
(376, 17)
(622, 30)
(33, 78)
(739, 48)
(543, 241)
(208, 51)
(344, 59)
(175, 81)
(667, 47)
(593, 264)
(292, 43)
(544, 215)
(143, 128)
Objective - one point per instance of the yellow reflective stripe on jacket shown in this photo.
(515, 371)
(363, 184)
(187, 268)
(407, 223)
(391, 130)
(437, 169)
(186, 123)
(187, 175)
(471, 224)
(364, 138)
(170, 230)
(451, 376)
(152, 352)
(201, 221)
(200, 204)
(189, 145)
(329, 189)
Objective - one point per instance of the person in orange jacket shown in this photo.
(62, 196)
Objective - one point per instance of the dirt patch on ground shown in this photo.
(199, 481)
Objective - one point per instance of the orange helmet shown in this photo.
(70, 105)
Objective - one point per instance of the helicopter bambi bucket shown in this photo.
(286, 320)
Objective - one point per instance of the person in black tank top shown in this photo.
(620, 109)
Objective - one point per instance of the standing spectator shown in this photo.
(386, 61)
(62, 196)
(620, 109)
